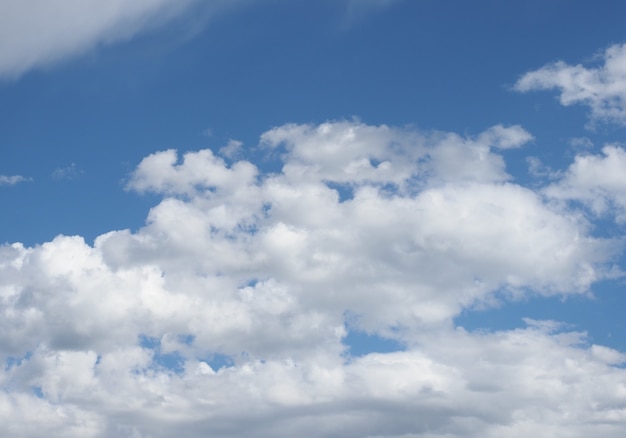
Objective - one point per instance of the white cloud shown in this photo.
(11, 180)
(69, 172)
(232, 149)
(581, 143)
(598, 181)
(602, 88)
(266, 267)
(36, 33)
(353, 153)
(502, 137)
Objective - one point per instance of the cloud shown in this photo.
(232, 149)
(580, 143)
(382, 229)
(6, 180)
(596, 180)
(601, 88)
(67, 173)
(36, 33)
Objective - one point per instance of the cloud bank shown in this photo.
(227, 313)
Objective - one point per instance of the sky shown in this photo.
(331, 218)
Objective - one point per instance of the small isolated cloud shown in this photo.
(601, 88)
(232, 149)
(536, 167)
(6, 180)
(502, 137)
(581, 143)
(68, 172)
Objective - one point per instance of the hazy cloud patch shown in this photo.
(11, 180)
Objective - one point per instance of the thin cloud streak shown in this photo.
(11, 180)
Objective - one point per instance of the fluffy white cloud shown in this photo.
(602, 88)
(516, 383)
(385, 229)
(598, 181)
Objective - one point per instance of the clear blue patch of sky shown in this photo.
(600, 315)
(360, 343)
(173, 361)
(37, 391)
(217, 361)
(12, 361)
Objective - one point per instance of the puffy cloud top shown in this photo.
(375, 228)
(602, 88)
(597, 181)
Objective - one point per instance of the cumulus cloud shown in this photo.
(11, 180)
(601, 88)
(382, 229)
(596, 180)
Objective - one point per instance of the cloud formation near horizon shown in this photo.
(380, 229)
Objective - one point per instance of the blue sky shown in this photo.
(225, 217)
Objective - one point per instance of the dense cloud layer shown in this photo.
(373, 228)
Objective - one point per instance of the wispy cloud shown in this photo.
(6, 180)
(36, 33)
(68, 172)
(232, 149)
